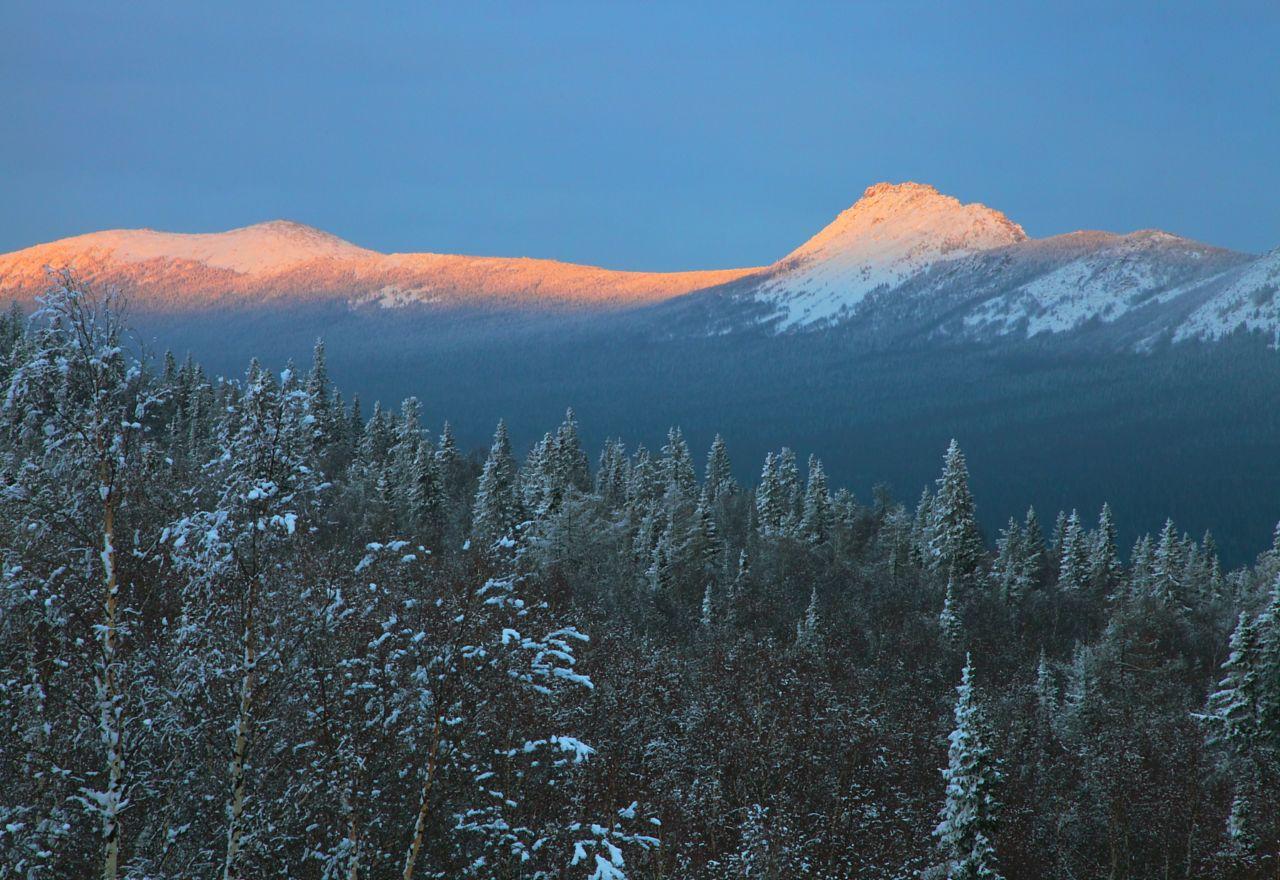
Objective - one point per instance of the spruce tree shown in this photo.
(677, 466)
(319, 394)
(807, 626)
(426, 494)
(969, 810)
(719, 475)
(449, 462)
(816, 522)
(1105, 569)
(792, 496)
(771, 501)
(571, 469)
(949, 618)
(1074, 556)
(1268, 625)
(1009, 564)
(1167, 566)
(1046, 691)
(497, 509)
(1033, 548)
(955, 542)
(703, 545)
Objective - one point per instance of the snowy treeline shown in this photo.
(247, 631)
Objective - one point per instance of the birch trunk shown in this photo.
(244, 718)
(424, 807)
(110, 704)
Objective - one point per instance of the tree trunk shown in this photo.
(110, 703)
(424, 807)
(244, 718)
(353, 834)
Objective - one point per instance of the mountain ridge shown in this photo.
(902, 254)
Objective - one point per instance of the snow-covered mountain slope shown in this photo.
(262, 248)
(283, 260)
(1247, 302)
(908, 262)
(890, 234)
(904, 262)
(1060, 284)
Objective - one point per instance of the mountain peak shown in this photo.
(912, 217)
(907, 187)
(894, 231)
(263, 248)
(285, 227)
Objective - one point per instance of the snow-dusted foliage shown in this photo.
(967, 822)
(251, 629)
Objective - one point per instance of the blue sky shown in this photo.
(645, 136)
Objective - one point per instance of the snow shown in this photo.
(283, 258)
(1090, 276)
(263, 247)
(912, 244)
(1249, 302)
(895, 231)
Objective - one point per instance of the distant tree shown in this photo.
(949, 618)
(1074, 555)
(677, 465)
(771, 497)
(817, 520)
(1105, 569)
(497, 508)
(719, 474)
(1167, 566)
(955, 542)
(807, 627)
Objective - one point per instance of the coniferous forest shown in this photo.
(250, 628)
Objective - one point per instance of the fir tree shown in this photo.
(1009, 564)
(792, 496)
(807, 626)
(949, 618)
(955, 542)
(969, 811)
(1033, 544)
(1074, 562)
(426, 494)
(816, 521)
(449, 462)
(497, 508)
(703, 545)
(571, 469)
(1105, 569)
(1167, 565)
(1046, 691)
(922, 529)
(677, 466)
(319, 394)
(771, 498)
(612, 474)
(1242, 838)
(1268, 626)
(719, 475)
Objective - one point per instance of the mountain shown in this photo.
(890, 235)
(907, 263)
(904, 263)
(1138, 369)
(286, 261)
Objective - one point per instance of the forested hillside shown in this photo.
(249, 630)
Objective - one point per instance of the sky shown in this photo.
(654, 136)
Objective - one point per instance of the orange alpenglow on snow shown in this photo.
(283, 260)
